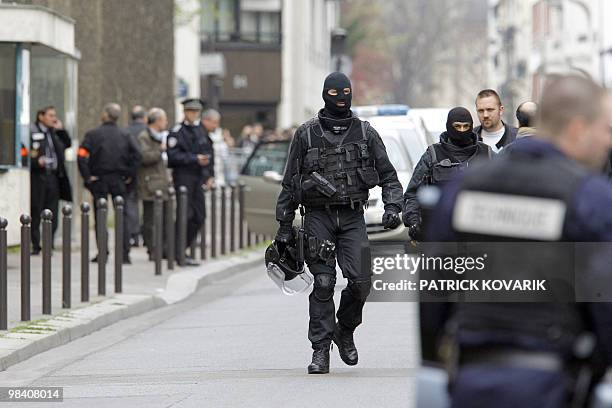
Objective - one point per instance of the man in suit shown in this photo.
(48, 178)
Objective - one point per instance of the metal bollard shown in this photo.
(66, 252)
(47, 237)
(102, 246)
(233, 219)
(26, 233)
(158, 218)
(213, 222)
(3, 275)
(84, 252)
(119, 203)
(203, 231)
(223, 219)
(170, 228)
(181, 243)
(241, 215)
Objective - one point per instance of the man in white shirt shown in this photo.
(493, 131)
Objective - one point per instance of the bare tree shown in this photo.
(430, 48)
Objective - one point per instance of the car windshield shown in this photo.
(397, 154)
(267, 157)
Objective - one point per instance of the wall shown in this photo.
(17, 202)
(127, 53)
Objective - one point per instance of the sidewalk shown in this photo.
(138, 278)
(142, 291)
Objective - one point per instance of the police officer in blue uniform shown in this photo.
(191, 156)
(334, 160)
(536, 354)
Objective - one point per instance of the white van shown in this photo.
(406, 139)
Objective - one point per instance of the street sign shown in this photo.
(212, 64)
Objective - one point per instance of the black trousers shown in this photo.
(196, 211)
(44, 196)
(132, 214)
(114, 186)
(149, 226)
(347, 229)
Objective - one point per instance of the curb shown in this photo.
(39, 336)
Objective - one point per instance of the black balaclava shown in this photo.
(337, 81)
(456, 137)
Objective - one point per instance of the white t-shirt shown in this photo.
(492, 138)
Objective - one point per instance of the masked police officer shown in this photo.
(458, 147)
(536, 354)
(191, 156)
(334, 159)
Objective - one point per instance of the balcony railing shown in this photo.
(244, 37)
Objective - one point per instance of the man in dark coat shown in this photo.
(48, 177)
(108, 159)
(137, 125)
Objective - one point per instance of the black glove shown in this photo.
(285, 233)
(415, 232)
(391, 219)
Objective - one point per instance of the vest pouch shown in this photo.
(369, 176)
(312, 161)
(444, 171)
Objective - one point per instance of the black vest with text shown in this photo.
(517, 206)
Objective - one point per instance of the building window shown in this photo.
(226, 21)
(8, 89)
(260, 27)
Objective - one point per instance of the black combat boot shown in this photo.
(346, 346)
(320, 361)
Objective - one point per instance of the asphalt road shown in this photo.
(236, 343)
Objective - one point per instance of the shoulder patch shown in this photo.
(172, 142)
(38, 136)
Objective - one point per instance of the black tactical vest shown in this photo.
(444, 165)
(555, 325)
(337, 175)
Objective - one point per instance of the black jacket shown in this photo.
(508, 137)
(108, 150)
(423, 170)
(61, 141)
(185, 142)
(391, 187)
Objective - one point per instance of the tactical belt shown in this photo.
(354, 205)
(533, 360)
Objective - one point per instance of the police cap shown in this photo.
(193, 104)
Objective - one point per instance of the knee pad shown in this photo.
(360, 289)
(324, 287)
